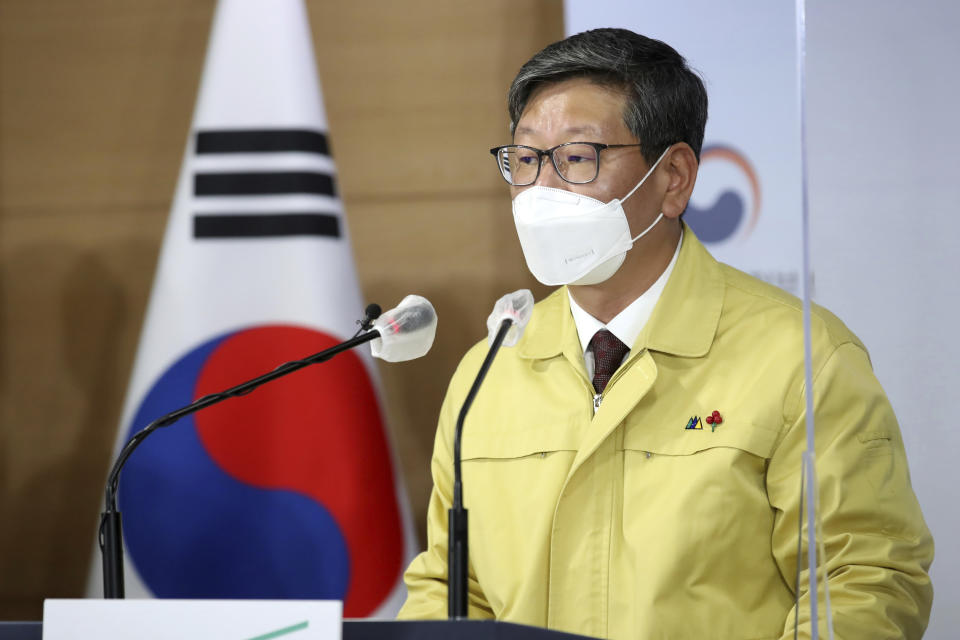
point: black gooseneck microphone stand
(111, 534)
(457, 544)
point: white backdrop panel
(746, 205)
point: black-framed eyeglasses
(575, 162)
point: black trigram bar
(262, 183)
(272, 225)
(262, 141)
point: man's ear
(681, 167)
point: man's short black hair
(666, 100)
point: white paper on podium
(68, 619)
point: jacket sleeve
(426, 577)
(877, 547)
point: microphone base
(457, 563)
(111, 544)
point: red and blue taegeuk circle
(287, 492)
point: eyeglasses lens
(575, 162)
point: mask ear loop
(642, 180)
(646, 175)
(647, 230)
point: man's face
(579, 110)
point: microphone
(371, 313)
(406, 332)
(516, 307)
(505, 324)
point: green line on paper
(300, 626)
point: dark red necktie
(608, 353)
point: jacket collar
(683, 323)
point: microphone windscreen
(516, 307)
(406, 331)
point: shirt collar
(627, 324)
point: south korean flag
(291, 491)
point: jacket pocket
(512, 480)
(695, 507)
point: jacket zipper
(598, 397)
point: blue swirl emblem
(726, 202)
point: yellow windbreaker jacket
(629, 524)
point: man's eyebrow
(588, 128)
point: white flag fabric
(290, 491)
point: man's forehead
(578, 107)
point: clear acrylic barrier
(884, 187)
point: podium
(443, 629)
(379, 630)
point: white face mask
(569, 238)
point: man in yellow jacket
(632, 467)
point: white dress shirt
(627, 324)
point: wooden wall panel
(96, 98)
